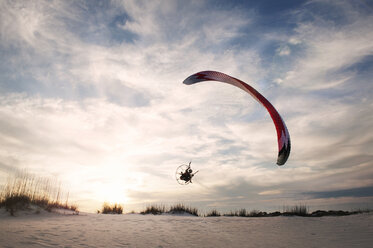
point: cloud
(324, 61)
(93, 92)
(270, 192)
(282, 51)
(355, 192)
(8, 169)
(176, 20)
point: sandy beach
(135, 230)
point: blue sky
(91, 93)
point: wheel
(179, 172)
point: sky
(91, 95)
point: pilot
(187, 175)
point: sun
(112, 193)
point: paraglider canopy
(283, 137)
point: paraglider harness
(187, 174)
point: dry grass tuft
(24, 190)
(297, 210)
(111, 209)
(213, 213)
(154, 209)
(178, 208)
(181, 208)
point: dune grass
(154, 209)
(178, 208)
(297, 210)
(241, 213)
(111, 209)
(182, 208)
(213, 213)
(24, 190)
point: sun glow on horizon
(113, 192)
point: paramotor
(184, 174)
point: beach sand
(136, 230)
